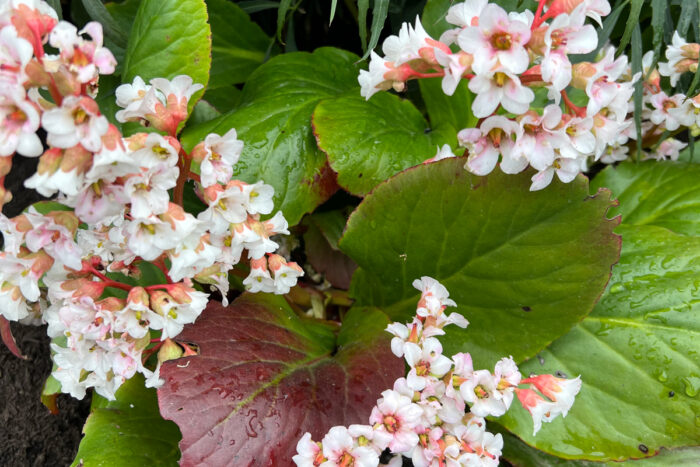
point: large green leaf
(523, 267)
(666, 194)
(519, 454)
(274, 121)
(169, 38)
(239, 45)
(454, 110)
(369, 141)
(637, 354)
(128, 431)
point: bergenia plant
(225, 251)
(423, 417)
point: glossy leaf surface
(523, 267)
(369, 141)
(169, 38)
(274, 121)
(666, 194)
(264, 377)
(637, 354)
(128, 431)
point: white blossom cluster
(80, 267)
(435, 415)
(507, 56)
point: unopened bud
(169, 350)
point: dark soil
(29, 434)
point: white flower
(394, 419)
(221, 154)
(76, 121)
(425, 361)
(479, 390)
(497, 42)
(494, 88)
(340, 449)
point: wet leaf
(523, 266)
(637, 354)
(169, 38)
(274, 121)
(666, 194)
(369, 141)
(264, 377)
(128, 431)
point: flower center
(422, 368)
(501, 41)
(500, 79)
(79, 115)
(480, 392)
(346, 460)
(391, 423)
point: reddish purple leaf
(331, 262)
(264, 377)
(9, 339)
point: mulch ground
(29, 434)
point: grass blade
(379, 13)
(632, 21)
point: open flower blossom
(507, 56)
(120, 208)
(435, 416)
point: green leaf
(274, 121)
(111, 28)
(123, 15)
(45, 207)
(380, 9)
(666, 194)
(362, 8)
(224, 99)
(203, 112)
(433, 18)
(239, 45)
(688, 10)
(637, 355)
(632, 22)
(282, 10)
(169, 38)
(129, 431)
(369, 141)
(523, 266)
(56, 5)
(253, 6)
(519, 454)
(331, 225)
(658, 12)
(334, 5)
(454, 110)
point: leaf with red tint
(265, 376)
(325, 256)
(9, 339)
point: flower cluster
(507, 57)
(425, 415)
(110, 266)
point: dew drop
(692, 385)
(616, 288)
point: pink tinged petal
(440, 366)
(513, 165)
(582, 41)
(403, 441)
(483, 163)
(542, 179)
(486, 103)
(515, 60)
